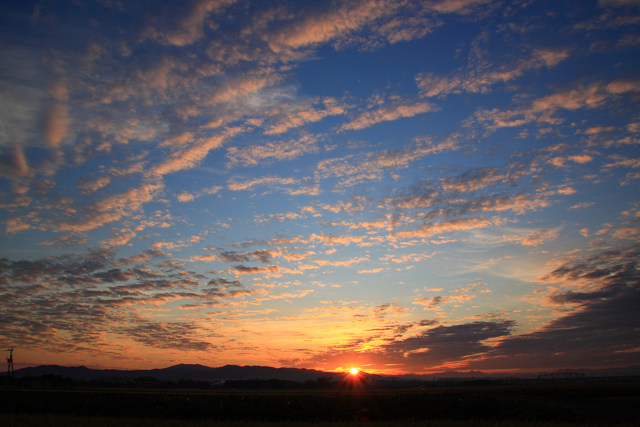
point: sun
(353, 371)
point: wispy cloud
(273, 151)
(192, 155)
(532, 238)
(235, 185)
(330, 24)
(543, 110)
(430, 229)
(296, 116)
(387, 113)
(481, 80)
(371, 167)
(180, 26)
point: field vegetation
(532, 405)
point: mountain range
(234, 372)
(182, 371)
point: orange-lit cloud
(306, 114)
(480, 81)
(192, 155)
(234, 185)
(388, 113)
(534, 238)
(542, 110)
(322, 27)
(187, 23)
(274, 151)
(431, 229)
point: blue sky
(404, 187)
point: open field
(540, 405)
(21, 420)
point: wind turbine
(10, 362)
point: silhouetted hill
(234, 372)
(178, 372)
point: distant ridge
(235, 372)
(182, 371)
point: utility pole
(10, 362)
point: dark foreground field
(537, 405)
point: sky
(395, 185)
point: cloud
(388, 113)
(329, 239)
(190, 156)
(287, 295)
(310, 190)
(543, 110)
(234, 185)
(600, 330)
(617, 3)
(371, 166)
(263, 256)
(56, 125)
(90, 295)
(319, 27)
(342, 24)
(113, 208)
(305, 113)
(431, 303)
(240, 89)
(242, 269)
(168, 335)
(204, 258)
(401, 259)
(444, 205)
(185, 197)
(345, 263)
(14, 163)
(63, 269)
(481, 80)
(438, 347)
(581, 205)
(431, 228)
(457, 6)
(133, 168)
(56, 121)
(22, 103)
(405, 29)
(450, 343)
(181, 25)
(16, 225)
(474, 179)
(628, 233)
(535, 238)
(367, 225)
(622, 161)
(560, 161)
(93, 185)
(120, 239)
(372, 271)
(384, 310)
(273, 151)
